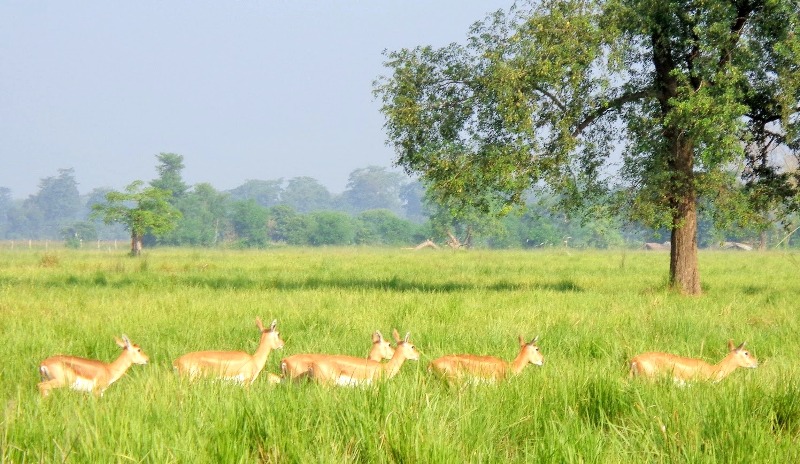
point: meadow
(592, 311)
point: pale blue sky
(242, 89)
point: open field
(591, 310)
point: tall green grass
(592, 311)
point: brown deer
(298, 365)
(487, 368)
(357, 371)
(237, 366)
(88, 375)
(656, 364)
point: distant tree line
(377, 208)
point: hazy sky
(241, 89)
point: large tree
(56, 204)
(306, 194)
(140, 210)
(203, 221)
(373, 187)
(170, 166)
(265, 192)
(693, 97)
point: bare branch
(552, 97)
(743, 11)
(612, 105)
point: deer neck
(519, 363)
(118, 367)
(262, 353)
(392, 367)
(723, 368)
(375, 353)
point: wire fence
(45, 245)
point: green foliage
(249, 221)
(372, 188)
(289, 227)
(203, 218)
(74, 235)
(169, 178)
(208, 216)
(540, 225)
(56, 204)
(331, 228)
(382, 227)
(140, 210)
(305, 194)
(265, 192)
(543, 97)
(412, 196)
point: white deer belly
(82, 384)
(238, 378)
(473, 380)
(347, 381)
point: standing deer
(656, 364)
(238, 366)
(487, 368)
(357, 371)
(298, 365)
(88, 375)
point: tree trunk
(683, 272)
(136, 244)
(681, 191)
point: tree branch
(552, 97)
(743, 10)
(611, 105)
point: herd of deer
(95, 376)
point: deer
(88, 375)
(237, 366)
(298, 366)
(656, 364)
(345, 371)
(490, 369)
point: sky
(243, 90)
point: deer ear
(259, 324)
(273, 325)
(124, 343)
(740, 346)
(377, 337)
(731, 346)
(535, 339)
(521, 341)
(396, 335)
(408, 336)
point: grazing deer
(358, 371)
(655, 364)
(298, 365)
(88, 375)
(238, 366)
(487, 368)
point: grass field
(591, 310)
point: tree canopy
(642, 107)
(170, 166)
(55, 205)
(373, 187)
(140, 210)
